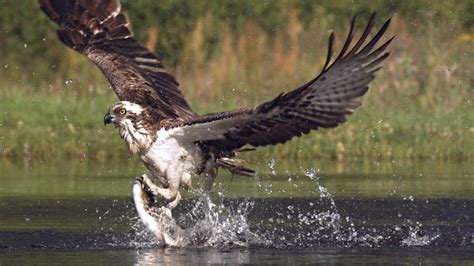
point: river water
(357, 212)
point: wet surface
(274, 223)
(243, 256)
(100, 224)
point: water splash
(215, 222)
(209, 223)
(323, 224)
(141, 237)
(266, 184)
(341, 230)
(272, 165)
(416, 237)
(223, 225)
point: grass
(43, 127)
(420, 106)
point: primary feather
(323, 102)
(97, 29)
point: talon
(146, 179)
(168, 202)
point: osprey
(171, 139)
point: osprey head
(122, 112)
(133, 122)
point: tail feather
(235, 166)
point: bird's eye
(122, 111)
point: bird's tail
(87, 22)
(235, 166)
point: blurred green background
(228, 54)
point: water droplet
(271, 165)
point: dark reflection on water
(86, 216)
(278, 223)
(242, 256)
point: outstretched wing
(323, 102)
(97, 29)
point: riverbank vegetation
(420, 107)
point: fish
(158, 220)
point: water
(365, 213)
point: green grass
(47, 127)
(420, 106)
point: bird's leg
(162, 179)
(170, 193)
(151, 185)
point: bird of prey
(173, 141)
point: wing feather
(323, 102)
(97, 29)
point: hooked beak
(108, 118)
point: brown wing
(323, 102)
(97, 29)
